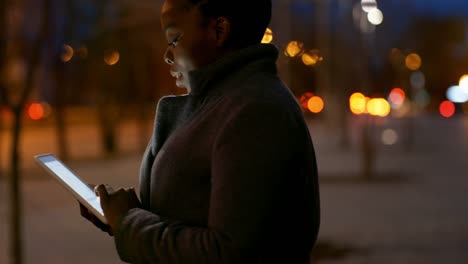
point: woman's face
(191, 39)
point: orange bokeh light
(111, 57)
(413, 61)
(36, 111)
(294, 48)
(315, 104)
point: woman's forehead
(178, 5)
(173, 12)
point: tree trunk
(368, 149)
(15, 192)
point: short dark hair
(249, 18)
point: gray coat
(230, 173)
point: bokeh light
(418, 80)
(456, 94)
(396, 97)
(36, 111)
(375, 17)
(368, 5)
(111, 57)
(294, 48)
(447, 109)
(268, 36)
(357, 103)
(464, 83)
(315, 104)
(378, 107)
(413, 61)
(311, 58)
(67, 53)
(389, 137)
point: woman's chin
(180, 84)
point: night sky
(440, 7)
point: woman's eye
(175, 41)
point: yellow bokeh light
(378, 107)
(311, 58)
(268, 36)
(357, 103)
(315, 104)
(413, 61)
(464, 83)
(67, 53)
(294, 48)
(111, 57)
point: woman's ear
(223, 30)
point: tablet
(79, 189)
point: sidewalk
(413, 211)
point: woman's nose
(168, 57)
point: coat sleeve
(252, 155)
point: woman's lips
(175, 74)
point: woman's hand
(93, 219)
(86, 213)
(116, 203)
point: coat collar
(229, 64)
